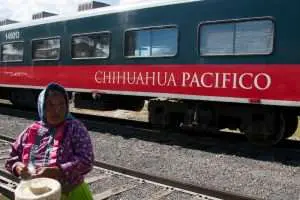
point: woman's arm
(15, 154)
(82, 161)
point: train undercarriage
(262, 125)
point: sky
(22, 10)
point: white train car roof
(95, 12)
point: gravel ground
(240, 167)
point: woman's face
(56, 108)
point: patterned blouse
(67, 146)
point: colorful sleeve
(83, 159)
(16, 153)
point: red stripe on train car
(257, 81)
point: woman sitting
(58, 146)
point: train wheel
(266, 130)
(291, 124)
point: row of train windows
(252, 37)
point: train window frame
(46, 38)
(90, 33)
(151, 28)
(12, 61)
(238, 20)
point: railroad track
(115, 182)
(8, 182)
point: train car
(211, 64)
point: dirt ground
(296, 136)
(132, 115)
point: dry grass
(296, 136)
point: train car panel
(204, 63)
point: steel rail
(8, 184)
(175, 184)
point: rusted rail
(8, 184)
(212, 192)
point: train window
(96, 45)
(216, 39)
(253, 37)
(154, 42)
(12, 52)
(46, 49)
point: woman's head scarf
(41, 104)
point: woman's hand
(48, 172)
(22, 171)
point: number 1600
(12, 35)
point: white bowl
(38, 189)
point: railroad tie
(160, 194)
(93, 179)
(114, 191)
(204, 197)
